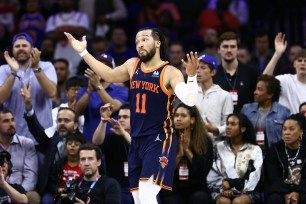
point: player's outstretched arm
(119, 74)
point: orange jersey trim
(134, 68)
(152, 69)
(155, 182)
(169, 118)
(134, 189)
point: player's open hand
(192, 63)
(77, 45)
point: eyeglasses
(64, 120)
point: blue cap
(24, 36)
(208, 59)
(108, 58)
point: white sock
(136, 197)
(148, 191)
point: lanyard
(91, 186)
(229, 83)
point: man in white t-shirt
(293, 85)
(214, 103)
(68, 20)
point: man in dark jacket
(52, 146)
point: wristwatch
(37, 70)
(99, 87)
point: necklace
(292, 160)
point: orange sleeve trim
(161, 82)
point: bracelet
(99, 87)
(83, 53)
(105, 119)
(15, 75)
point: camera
(72, 191)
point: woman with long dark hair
(237, 164)
(193, 160)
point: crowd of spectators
(252, 85)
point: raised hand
(25, 93)
(35, 57)
(78, 46)
(280, 43)
(192, 63)
(93, 77)
(11, 62)
(117, 128)
(107, 110)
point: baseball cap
(108, 58)
(24, 36)
(208, 59)
(6, 155)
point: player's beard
(149, 56)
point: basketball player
(153, 86)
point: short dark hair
(76, 136)
(273, 85)
(158, 36)
(248, 136)
(62, 60)
(74, 81)
(301, 105)
(300, 119)
(125, 106)
(261, 33)
(5, 110)
(89, 146)
(300, 54)
(176, 42)
(98, 39)
(76, 118)
(229, 36)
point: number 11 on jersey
(143, 103)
